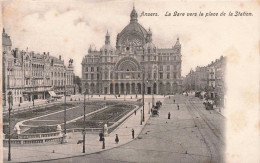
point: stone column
(119, 87)
(130, 87)
(124, 88)
(114, 88)
(157, 88)
(108, 89)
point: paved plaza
(192, 134)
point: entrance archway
(139, 89)
(122, 88)
(154, 88)
(127, 88)
(133, 88)
(116, 88)
(111, 89)
(149, 90)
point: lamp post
(103, 140)
(65, 120)
(143, 95)
(149, 108)
(9, 133)
(141, 118)
(84, 131)
(153, 94)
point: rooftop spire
(133, 15)
(107, 41)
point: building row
(29, 75)
(210, 78)
(134, 60)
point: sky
(68, 29)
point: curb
(97, 151)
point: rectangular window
(86, 76)
(149, 76)
(168, 58)
(154, 75)
(161, 68)
(97, 76)
(168, 68)
(174, 58)
(161, 75)
(92, 69)
(168, 75)
(154, 58)
(175, 67)
(148, 58)
(174, 75)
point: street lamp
(153, 95)
(65, 129)
(9, 134)
(143, 95)
(103, 139)
(84, 131)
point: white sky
(68, 28)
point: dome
(107, 48)
(134, 27)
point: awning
(52, 93)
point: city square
(123, 82)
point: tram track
(212, 127)
(198, 125)
(207, 128)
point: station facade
(134, 61)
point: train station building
(134, 60)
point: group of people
(101, 135)
(169, 114)
(117, 138)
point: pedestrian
(117, 139)
(178, 106)
(133, 133)
(135, 112)
(174, 101)
(169, 115)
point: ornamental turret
(133, 15)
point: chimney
(59, 57)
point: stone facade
(29, 75)
(135, 59)
(210, 78)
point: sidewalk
(34, 153)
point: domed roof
(107, 47)
(134, 26)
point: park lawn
(110, 116)
(115, 112)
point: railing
(38, 135)
(33, 141)
(81, 129)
